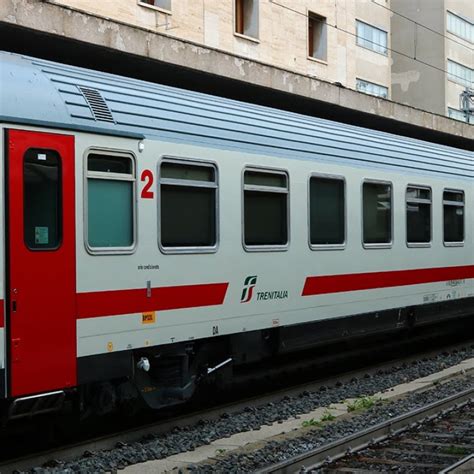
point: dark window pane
(188, 217)
(418, 215)
(188, 172)
(453, 196)
(326, 211)
(254, 178)
(419, 193)
(418, 222)
(377, 213)
(110, 213)
(453, 224)
(265, 218)
(453, 216)
(42, 199)
(109, 164)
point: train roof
(39, 92)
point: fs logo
(247, 291)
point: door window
(42, 199)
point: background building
(327, 58)
(343, 41)
(439, 34)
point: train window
(265, 209)
(418, 201)
(110, 203)
(326, 211)
(42, 199)
(453, 212)
(377, 214)
(188, 207)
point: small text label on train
(149, 317)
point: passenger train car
(154, 236)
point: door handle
(15, 292)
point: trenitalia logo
(247, 292)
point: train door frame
(40, 271)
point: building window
(42, 200)
(326, 211)
(246, 17)
(110, 202)
(371, 88)
(265, 208)
(460, 115)
(188, 206)
(453, 211)
(317, 37)
(372, 38)
(460, 74)
(377, 213)
(162, 4)
(418, 201)
(461, 27)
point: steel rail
(108, 441)
(331, 452)
(463, 465)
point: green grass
(311, 422)
(457, 450)
(362, 403)
(328, 416)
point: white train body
(129, 302)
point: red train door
(41, 262)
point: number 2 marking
(147, 178)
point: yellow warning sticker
(149, 317)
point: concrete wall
(282, 38)
(415, 82)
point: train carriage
(156, 235)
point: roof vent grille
(99, 108)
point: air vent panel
(99, 108)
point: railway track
(428, 439)
(61, 454)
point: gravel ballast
(188, 438)
(278, 451)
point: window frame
(166, 11)
(372, 42)
(98, 175)
(359, 80)
(457, 79)
(385, 245)
(255, 39)
(313, 16)
(455, 114)
(465, 20)
(265, 170)
(334, 177)
(208, 249)
(451, 190)
(421, 201)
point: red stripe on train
(2, 314)
(108, 303)
(321, 285)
